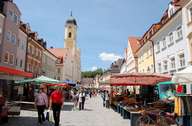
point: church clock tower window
(69, 35)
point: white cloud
(93, 68)
(109, 56)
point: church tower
(70, 33)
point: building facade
(21, 48)
(131, 61)
(49, 64)
(145, 58)
(171, 53)
(145, 53)
(10, 34)
(35, 48)
(187, 24)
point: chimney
(51, 47)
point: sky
(103, 25)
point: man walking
(56, 103)
(41, 102)
(83, 99)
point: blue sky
(103, 25)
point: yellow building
(145, 53)
(145, 58)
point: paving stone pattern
(93, 115)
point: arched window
(69, 35)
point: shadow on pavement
(88, 109)
(68, 107)
(26, 121)
(21, 121)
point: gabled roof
(134, 43)
(58, 52)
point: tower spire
(71, 14)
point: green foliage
(91, 74)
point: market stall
(183, 99)
(127, 101)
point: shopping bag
(51, 116)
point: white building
(187, 24)
(130, 65)
(69, 64)
(171, 53)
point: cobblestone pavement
(93, 115)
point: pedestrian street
(93, 115)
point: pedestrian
(90, 93)
(41, 102)
(107, 99)
(83, 100)
(103, 97)
(80, 100)
(56, 103)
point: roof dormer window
(171, 10)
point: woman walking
(56, 103)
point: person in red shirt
(56, 103)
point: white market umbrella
(183, 76)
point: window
(10, 14)
(158, 46)
(1, 30)
(58, 70)
(159, 67)
(22, 45)
(11, 59)
(179, 32)
(18, 43)
(69, 35)
(21, 63)
(16, 61)
(172, 63)
(15, 18)
(171, 12)
(6, 57)
(32, 50)
(8, 36)
(181, 60)
(164, 43)
(165, 65)
(171, 38)
(13, 38)
(190, 14)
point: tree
(91, 74)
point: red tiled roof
(58, 52)
(134, 44)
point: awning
(138, 79)
(59, 85)
(38, 80)
(70, 82)
(12, 71)
(166, 83)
